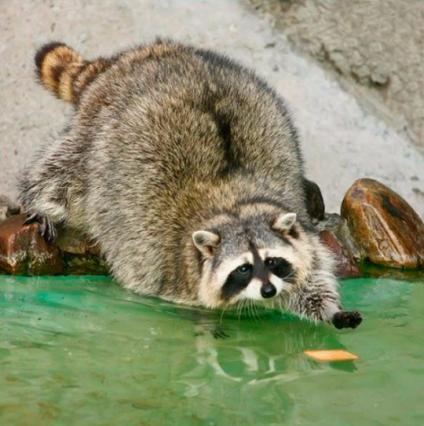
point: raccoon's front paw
(347, 319)
(47, 228)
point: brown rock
(81, 256)
(85, 264)
(337, 225)
(24, 251)
(74, 242)
(384, 225)
(345, 266)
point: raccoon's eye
(278, 266)
(270, 261)
(244, 269)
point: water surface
(83, 351)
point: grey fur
(169, 140)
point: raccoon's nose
(268, 290)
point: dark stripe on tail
(64, 72)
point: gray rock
(338, 227)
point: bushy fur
(168, 139)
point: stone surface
(386, 228)
(84, 264)
(346, 267)
(81, 256)
(375, 47)
(335, 234)
(71, 241)
(340, 140)
(24, 251)
(337, 225)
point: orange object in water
(331, 355)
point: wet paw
(347, 319)
(47, 228)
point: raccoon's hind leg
(46, 185)
(42, 202)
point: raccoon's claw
(347, 319)
(46, 229)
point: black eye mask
(240, 278)
(279, 267)
(237, 280)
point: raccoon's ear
(205, 242)
(284, 222)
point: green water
(81, 351)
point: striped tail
(63, 71)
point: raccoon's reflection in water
(249, 345)
(272, 350)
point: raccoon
(185, 167)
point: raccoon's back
(188, 115)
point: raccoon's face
(256, 258)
